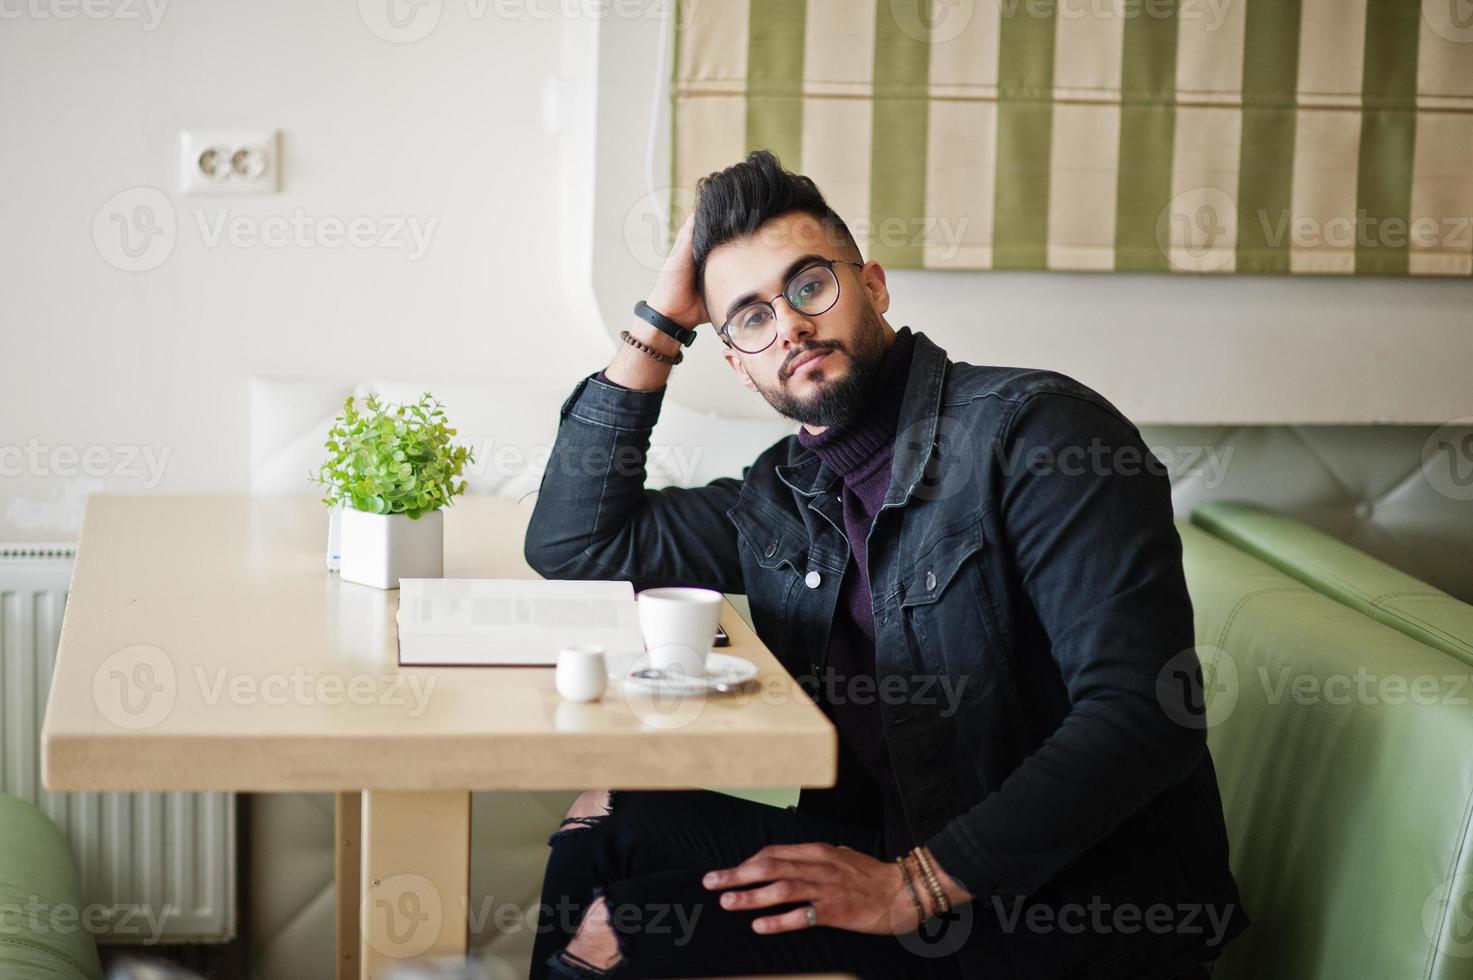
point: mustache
(828, 345)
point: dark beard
(836, 404)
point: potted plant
(391, 468)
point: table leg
(415, 877)
(347, 863)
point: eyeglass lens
(812, 291)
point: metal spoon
(656, 674)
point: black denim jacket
(1025, 561)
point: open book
(513, 621)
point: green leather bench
(1345, 574)
(42, 935)
(1344, 751)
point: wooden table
(205, 647)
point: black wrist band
(663, 323)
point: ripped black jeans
(646, 858)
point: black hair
(735, 202)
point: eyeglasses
(814, 289)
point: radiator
(156, 867)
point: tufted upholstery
(1363, 484)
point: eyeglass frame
(725, 336)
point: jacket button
(930, 580)
(812, 580)
(771, 549)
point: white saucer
(721, 668)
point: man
(974, 570)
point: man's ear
(873, 277)
(740, 369)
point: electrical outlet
(229, 161)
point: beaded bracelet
(933, 883)
(635, 342)
(910, 890)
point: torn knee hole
(571, 826)
(597, 947)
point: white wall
(447, 129)
(523, 139)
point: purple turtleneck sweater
(861, 453)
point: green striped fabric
(1211, 136)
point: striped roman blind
(1265, 136)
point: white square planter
(380, 549)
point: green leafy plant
(392, 459)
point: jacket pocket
(945, 602)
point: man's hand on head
(675, 292)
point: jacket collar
(915, 434)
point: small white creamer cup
(582, 673)
(679, 626)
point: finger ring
(812, 915)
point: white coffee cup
(582, 673)
(679, 626)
